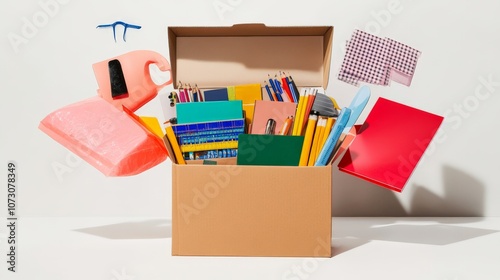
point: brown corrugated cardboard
(243, 54)
(229, 210)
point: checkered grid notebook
(376, 60)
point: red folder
(390, 143)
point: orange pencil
(286, 126)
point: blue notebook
(219, 94)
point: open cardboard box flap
(246, 53)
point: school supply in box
(294, 130)
(258, 155)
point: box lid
(389, 144)
(246, 53)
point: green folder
(257, 149)
(195, 112)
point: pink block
(135, 66)
(107, 138)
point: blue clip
(125, 25)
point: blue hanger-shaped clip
(125, 25)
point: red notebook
(390, 143)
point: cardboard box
(229, 210)
(232, 210)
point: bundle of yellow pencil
(308, 138)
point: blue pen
(333, 138)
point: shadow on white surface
(348, 235)
(147, 229)
(463, 196)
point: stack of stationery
(247, 93)
(218, 139)
(303, 129)
(205, 130)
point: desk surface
(364, 248)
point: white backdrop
(48, 66)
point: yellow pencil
(297, 120)
(303, 113)
(306, 147)
(329, 124)
(173, 142)
(318, 134)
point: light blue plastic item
(357, 106)
(334, 136)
